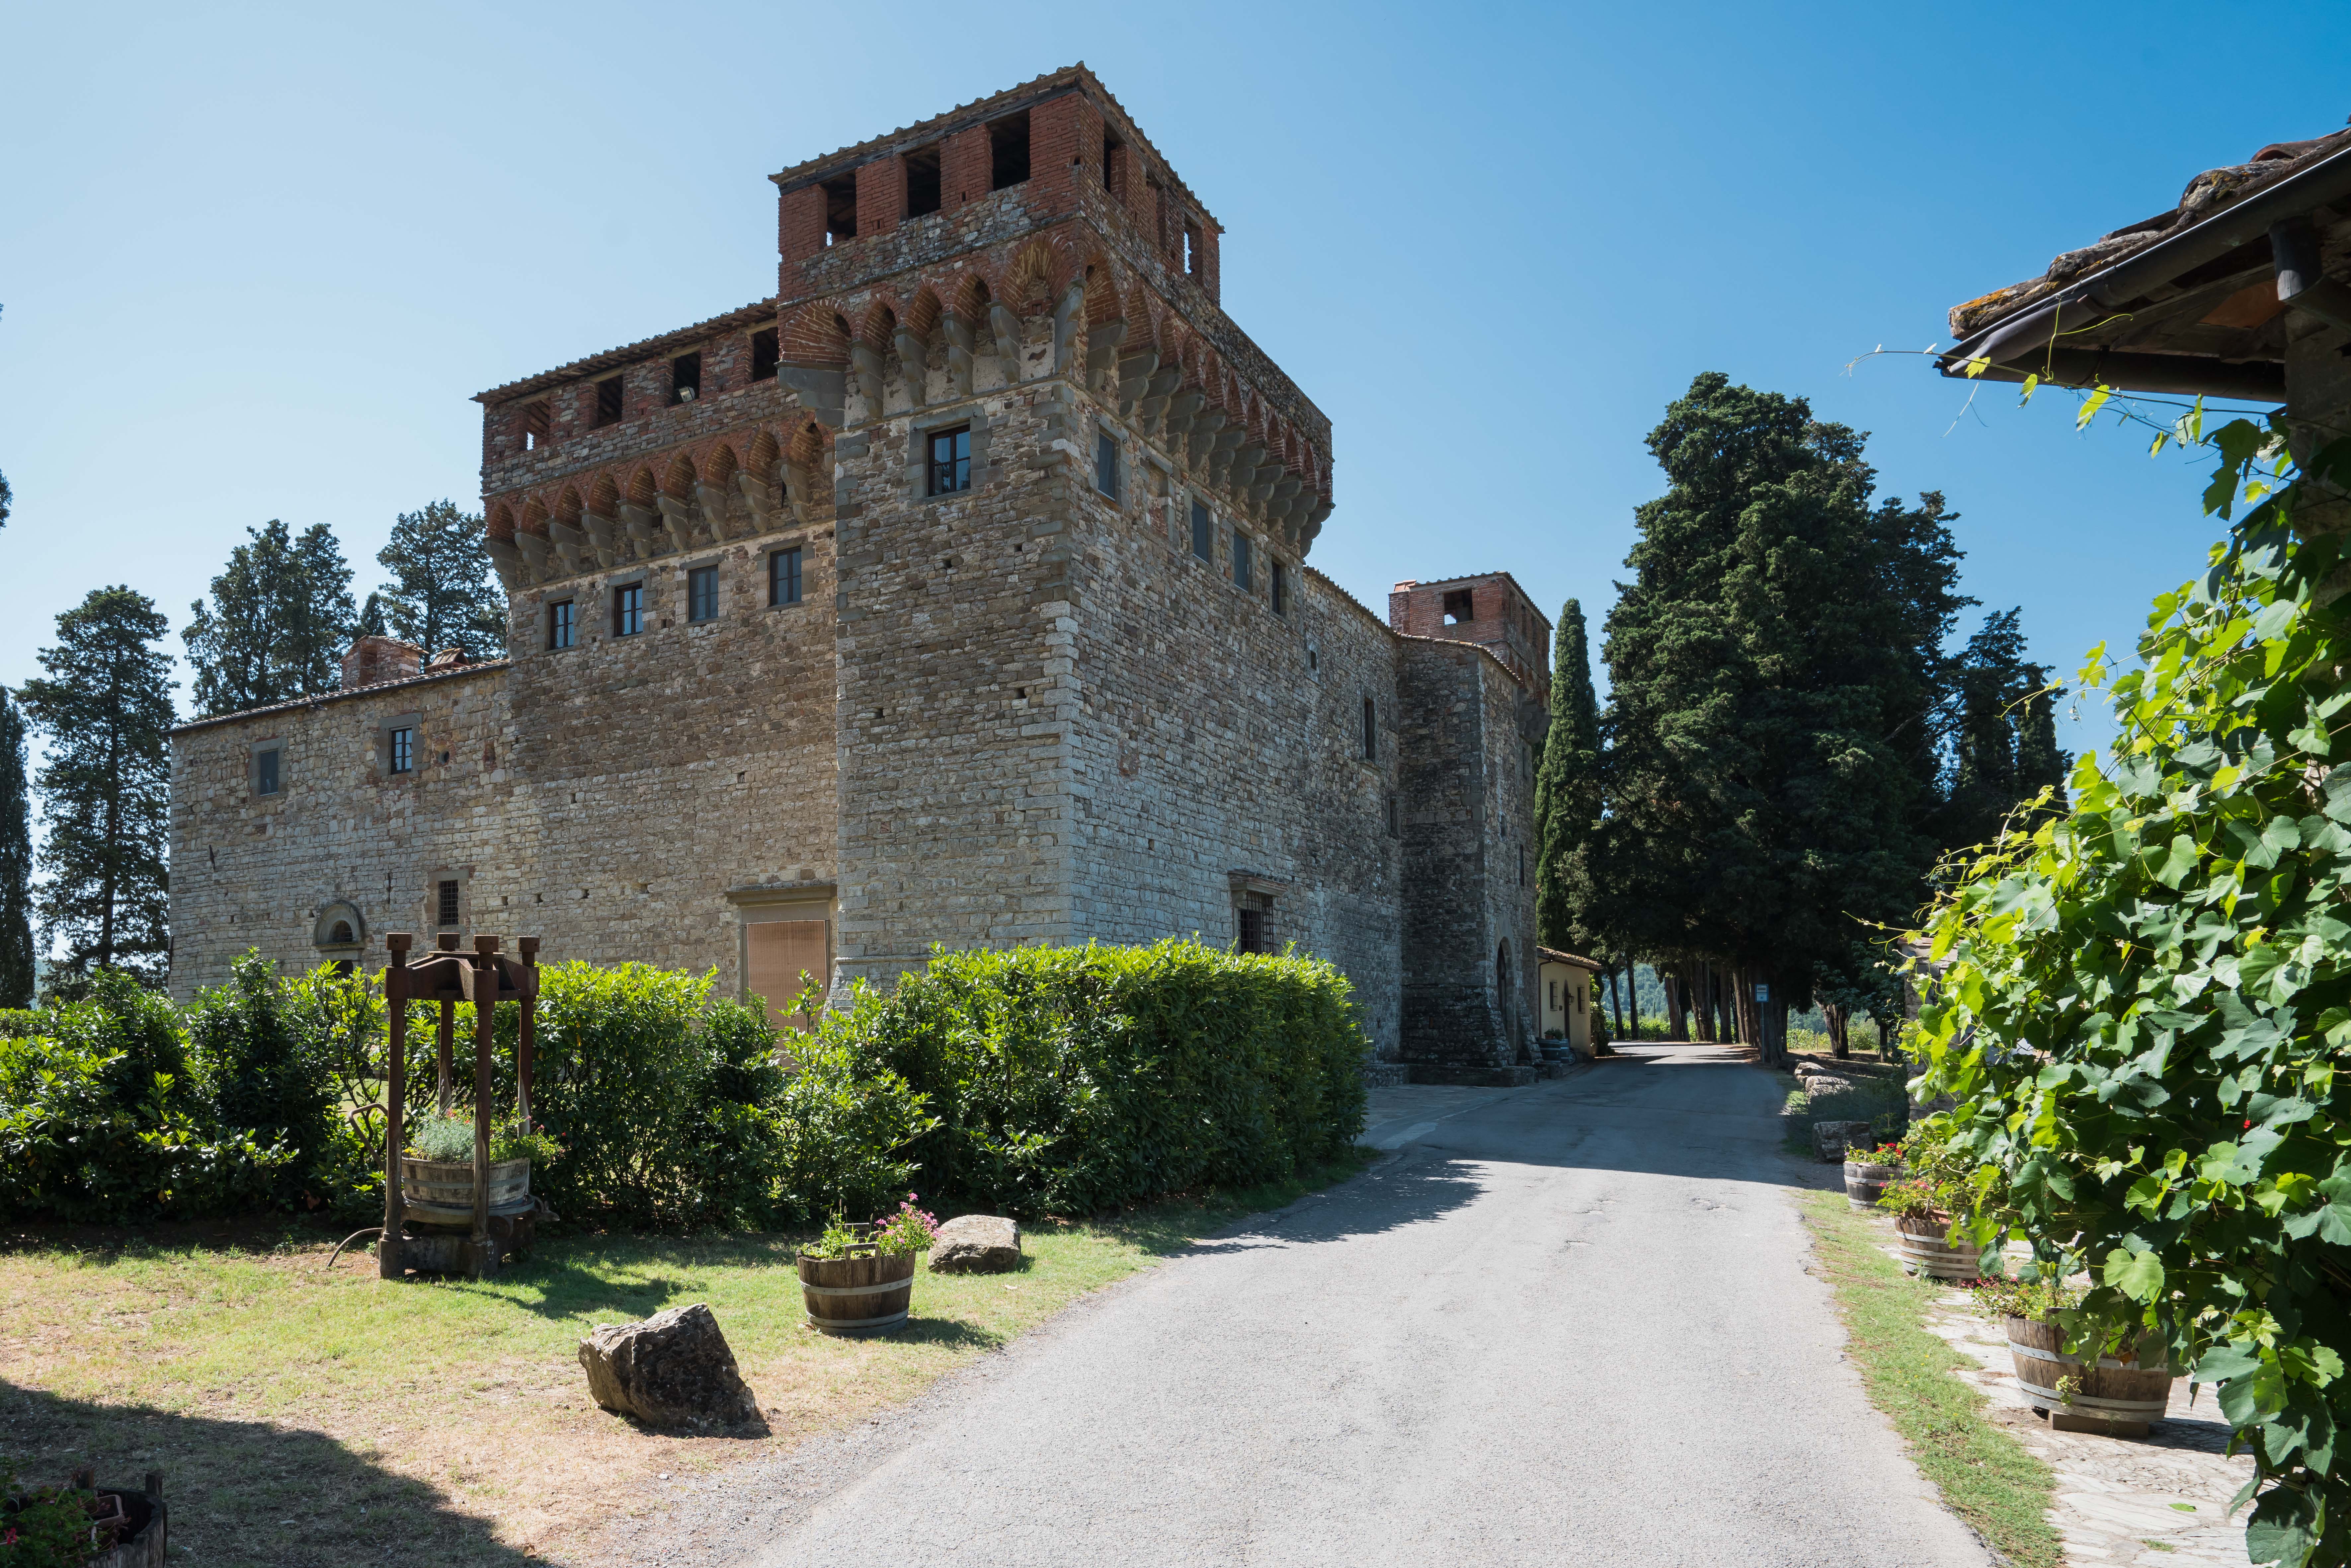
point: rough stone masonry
(954, 594)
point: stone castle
(955, 594)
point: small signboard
(1762, 992)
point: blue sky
(255, 260)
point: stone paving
(2159, 1500)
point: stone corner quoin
(956, 593)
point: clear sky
(255, 260)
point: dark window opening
(685, 377)
(629, 609)
(1460, 607)
(1106, 464)
(340, 932)
(560, 632)
(702, 593)
(1193, 257)
(763, 354)
(608, 401)
(1280, 589)
(265, 773)
(784, 576)
(1252, 931)
(841, 208)
(1392, 816)
(537, 424)
(1244, 567)
(448, 901)
(1008, 151)
(1371, 731)
(923, 180)
(950, 465)
(404, 751)
(1203, 543)
(1116, 165)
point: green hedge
(1068, 1081)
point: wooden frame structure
(448, 976)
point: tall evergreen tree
(440, 594)
(2038, 759)
(104, 707)
(371, 618)
(1992, 708)
(16, 975)
(279, 618)
(1568, 794)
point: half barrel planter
(2121, 1395)
(866, 1291)
(441, 1192)
(1925, 1251)
(1864, 1183)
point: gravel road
(1569, 1325)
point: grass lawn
(1985, 1475)
(302, 1414)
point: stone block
(674, 1369)
(977, 1244)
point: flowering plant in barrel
(909, 1229)
(2141, 1004)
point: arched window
(341, 933)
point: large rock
(977, 1244)
(672, 1370)
(1829, 1138)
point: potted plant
(860, 1278)
(2120, 1394)
(436, 1169)
(1922, 1218)
(1868, 1169)
(81, 1524)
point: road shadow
(247, 1491)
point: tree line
(1789, 748)
(273, 628)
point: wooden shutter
(778, 952)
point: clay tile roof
(757, 311)
(438, 673)
(1555, 956)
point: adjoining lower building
(957, 594)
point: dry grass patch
(292, 1406)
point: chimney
(375, 660)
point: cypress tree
(440, 594)
(17, 973)
(279, 618)
(104, 707)
(1568, 795)
(2038, 759)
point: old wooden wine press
(439, 1217)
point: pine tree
(2038, 759)
(17, 973)
(371, 618)
(1567, 793)
(104, 708)
(280, 619)
(440, 595)
(1989, 680)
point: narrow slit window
(784, 576)
(446, 915)
(1281, 586)
(561, 630)
(923, 180)
(1203, 532)
(764, 354)
(702, 593)
(685, 377)
(950, 461)
(1195, 257)
(1244, 568)
(1106, 475)
(608, 401)
(1371, 731)
(403, 749)
(841, 208)
(265, 773)
(629, 609)
(1008, 151)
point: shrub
(262, 1072)
(1071, 1079)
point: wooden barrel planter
(441, 1192)
(1925, 1252)
(865, 1292)
(128, 1529)
(2121, 1395)
(1865, 1183)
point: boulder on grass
(977, 1244)
(1829, 1138)
(672, 1370)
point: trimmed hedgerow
(1072, 1080)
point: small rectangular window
(784, 576)
(404, 751)
(1460, 607)
(562, 631)
(950, 464)
(923, 180)
(763, 354)
(608, 401)
(1280, 589)
(1106, 475)
(1371, 731)
(1252, 931)
(841, 208)
(629, 609)
(537, 424)
(1203, 532)
(447, 912)
(1008, 151)
(702, 593)
(685, 377)
(1244, 568)
(265, 772)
